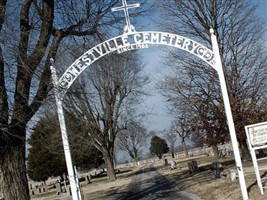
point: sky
(261, 10)
(155, 104)
(159, 118)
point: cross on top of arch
(125, 7)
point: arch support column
(73, 179)
(229, 115)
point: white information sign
(257, 139)
(257, 134)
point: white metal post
(75, 190)
(256, 169)
(229, 116)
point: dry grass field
(202, 183)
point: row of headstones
(39, 190)
(59, 188)
(36, 186)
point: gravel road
(150, 184)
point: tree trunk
(215, 150)
(172, 151)
(184, 148)
(136, 160)
(135, 151)
(244, 151)
(13, 178)
(108, 157)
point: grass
(201, 183)
(207, 187)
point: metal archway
(132, 40)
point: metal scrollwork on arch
(132, 41)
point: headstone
(217, 168)
(192, 166)
(232, 175)
(173, 164)
(58, 187)
(165, 161)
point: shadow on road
(142, 189)
(149, 184)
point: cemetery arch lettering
(128, 42)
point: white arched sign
(132, 40)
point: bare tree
(197, 112)
(105, 98)
(132, 139)
(242, 46)
(31, 33)
(182, 128)
(171, 137)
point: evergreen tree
(158, 146)
(46, 155)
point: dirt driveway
(148, 183)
